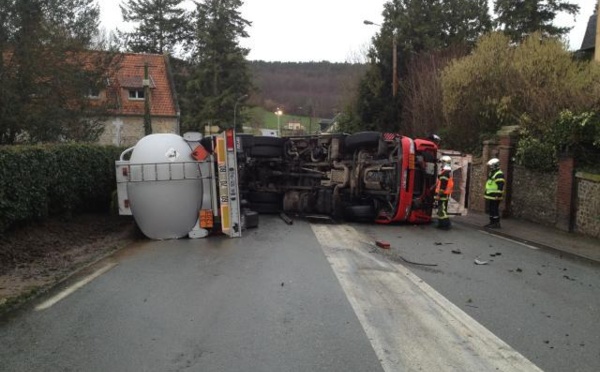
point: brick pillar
(489, 150)
(565, 191)
(508, 137)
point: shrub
(578, 134)
(43, 180)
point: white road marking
(70, 290)
(510, 240)
(410, 325)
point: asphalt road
(544, 304)
(312, 297)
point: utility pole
(235, 109)
(394, 56)
(597, 49)
(147, 116)
(395, 66)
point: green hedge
(47, 180)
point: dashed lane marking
(70, 290)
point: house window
(93, 92)
(136, 94)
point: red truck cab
(365, 176)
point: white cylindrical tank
(165, 186)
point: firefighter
(443, 190)
(494, 192)
(435, 139)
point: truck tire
(266, 208)
(362, 139)
(360, 213)
(268, 141)
(267, 147)
(247, 141)
(266, 151)
(264, 197)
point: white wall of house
(127, 130)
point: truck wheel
(268, 141)
(247, 141)
(360, 213)
(266, 151)
(362, 139)
(264, 197)
(266, 208)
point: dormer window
(136, 94)
(135, 86)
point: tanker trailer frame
(183, 189)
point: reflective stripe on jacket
(494, 187)
(445, 184)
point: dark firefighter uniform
(443, 190)
(494, 192)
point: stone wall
(477, 185)
(534, 195)
(587, 216)
(562, 199)
(132, 129)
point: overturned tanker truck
(176, 186)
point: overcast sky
(322, 30)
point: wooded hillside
(311, 89)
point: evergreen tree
(74, 20)
(417, 26)
(45, 72)
(519, 18)
(161, 25)
(219, 73)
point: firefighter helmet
(493, 163)
(435, 138)
(446, 162)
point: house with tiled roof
(589, 39)
(124, 87)
(589, 45)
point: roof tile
(130, 74)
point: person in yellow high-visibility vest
(443, 190)
(494, 192)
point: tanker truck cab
(415, 164)
(365, 176)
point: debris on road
(469, 302)
(479, 262)
(456, 251)
(383, 244)
(286, 218)
(416, 263)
